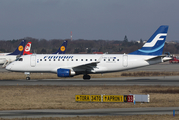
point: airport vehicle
(174, 60)
(69, 65)
(6, 58)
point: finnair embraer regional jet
(68, 65)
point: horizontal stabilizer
(164, 58)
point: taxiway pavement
(86, 112)
(163, 81)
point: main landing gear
(27, 78)
(28, 75)
(86, 77)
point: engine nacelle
(65, 72)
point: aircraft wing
(88, 66)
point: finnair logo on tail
(153, 42)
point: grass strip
(63, 97)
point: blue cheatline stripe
(151, 51)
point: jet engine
(65, 72)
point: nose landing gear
(27, 78)
(28, 75)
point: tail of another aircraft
(27, 49)
(19, 50)
(62, 48)
(154, 46)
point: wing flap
(88, 66)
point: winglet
(62, 48)
(155, 45)
(19, 50)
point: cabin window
(117, 59)
(40, 59)
(113, 59)
(104, 59)
(67, 59)
(81, 59)
(62, 59)
(86, 59)
(53, 59)
(90, 59)
(58, 59)
(45, 60)
(71, 59)
(108, 59)
(49, 59)
(76, 59)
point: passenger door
(125, 60)
(33, 60)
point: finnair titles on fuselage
(57, 57)
(68, 65)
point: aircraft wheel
(27, 78)
(86, 77)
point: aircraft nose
(8, 67)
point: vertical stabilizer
(62, 48)
(155, 45)
(27, 49)
(19, 50)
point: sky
(87, 19)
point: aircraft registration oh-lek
(69, 65)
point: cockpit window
(19, 59)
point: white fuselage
(81, 62)
(5, 57)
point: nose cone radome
(8, 67)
